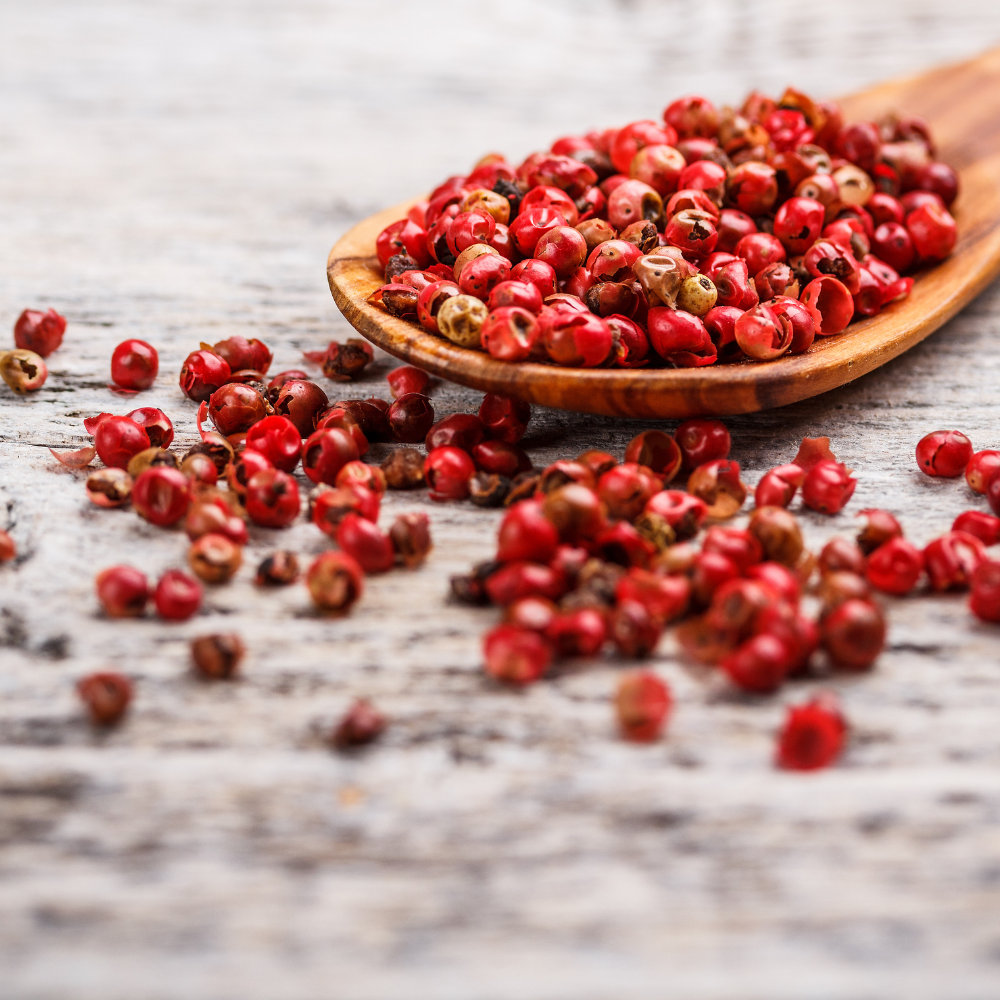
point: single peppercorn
(326, 452)
(879, 527)
(403, 469)
(149, 459)
(447, 472)
(40, 332)
(657, 451)
(23, 371)
(301, 401)
(214, 558)
(642, 705)
(839, 554)
(344, 362)
(107, 696)
(895, 567)
(360, 724)
(489, 489)
(778, 533)
(515, 655)
(157, 425)
(411, 538)
(812, 736)
(504, 418)
(335, 581)
(944, 453)
(633, 630)
(109, 487)
(278, 569)
(235, 408)
(122, 591)
(760, 664)
(984, 601)
(411, 416)
(218, 656)
(272, 498)
(367, 543)
(853, 635)
(118, 439)
(177, 596)
(162, 495)
(827, 487)
(134, 365)
(8, 550)
(719, 486)
(981, 468)
(701, 440)
(202, 373)
(277, 439)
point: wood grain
(962, 105)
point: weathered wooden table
(178, 172)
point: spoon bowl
(961, 102)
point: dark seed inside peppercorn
(489, 489)
(398, 263)
(404, 469)
(278, 569)
(344, 362)
(217, 656)
(522, 487)
(219, 450)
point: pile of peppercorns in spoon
(712, 236)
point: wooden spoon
(962, 105)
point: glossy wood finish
(962, 104)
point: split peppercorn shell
(109, 487)
(214, 558)
(335, 581)
(217, 656)
(779, 534)
(24, 371)
(411, 538)
(278, 569)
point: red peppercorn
(177, 595)
(235, 408)
(205, 518)
(459, 430)
(403, 236)
(162, 495)
(360, 724)
(371, 477)
(407, 379)
(853, 635)
(335, 581)
(719, 486)
(985, 598)
(985, 527)
(933, 232)
(830, 303)
(879, 527)
(134, 365)
(23, 371)
(664, 597)
(827, 487)
(944, 453)
(8, 550)
(760, 664)
(504, 418)
(993, 492)
(122, 591)
(155, 423)
(214, 558)
(657, 451)
(411, 416)
(841, 555)
(272, 498)
(332, 506)
(241, 353)
(516, 580)
(626, 489)
(40, 332)
(326, 452)
(642, 706)
(633, 630)
(622, 545)
(526, 535)
(118, 440)
(735, 543)
(779, 578)
(500, 458)
(952, 559)
(278, 440)
(682, 511)
(893, 244)
(367, 543)
(106, 695)
(778, 487)
(515, 655)
(701, 441)
(981, 467)
(577, 633)
(202, 373)
(895, 567)
(762, 333)
(812, 736)
(301, 402)
(448, 471)
(798, 223)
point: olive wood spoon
(961, 103)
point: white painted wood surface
(177, 171)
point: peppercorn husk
(411, 538)
(217, 656)
(278, 569)
(489, 489)
(344, 362)
(359, 725)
